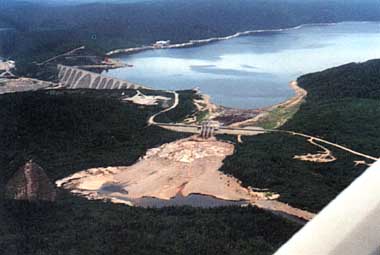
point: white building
(161, 44)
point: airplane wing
(349, 225)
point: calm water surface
(254, 71)
(195, 200)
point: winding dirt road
(313, 138)
(324, 157)
(151, 120)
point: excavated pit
(183, 172)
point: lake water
(195, 200)
(254, 71)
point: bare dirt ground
(313, 140)
(191, 166)
(142, 99)
(22, 84)
(286, 211)
(222, 114)
(204, 105)
(324, 156)
(229, 116)
(151, 120)
(184, 167)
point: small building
(161, 44)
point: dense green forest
(41, 30)
(65, 131)
(69, 130)
(342, 106)
(75, 225)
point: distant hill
(79, 2)
(43, 30)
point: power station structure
(208, 128)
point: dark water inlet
(195, 200)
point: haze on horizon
(78, 2)
(72, 2)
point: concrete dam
(75, 78)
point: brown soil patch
(142, 99)
(325, 156)
(185, 167)
(23, 84)
(181, 168)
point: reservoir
(253, 71)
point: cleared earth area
(184, 167)
(95, 129)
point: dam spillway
(74, 78)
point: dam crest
(75, 78)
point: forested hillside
(343, 107)
(67, 131)
(43, 30)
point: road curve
(151, 120)
(332, 144)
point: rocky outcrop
(30, 183)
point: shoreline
(252, 117)
(200, 42)
(234, 116)
(295, 101)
